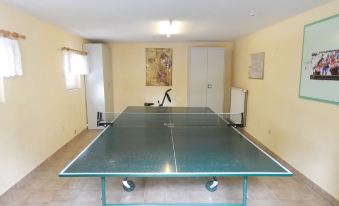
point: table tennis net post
(105, 119)
(233, 119)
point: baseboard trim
(332, 200)
(84, 130)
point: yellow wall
(129, 75)
(303, 132)
(39, 115)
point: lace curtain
(10, 61)
(74, 65)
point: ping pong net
(105, 119)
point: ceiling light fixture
(168, 28)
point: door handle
(209, 86)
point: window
(10, 62)
(75, 64)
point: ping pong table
(172, 142)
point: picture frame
(256, 69)
(159, 66)
(319, 76)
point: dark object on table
(165, 96)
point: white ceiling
(137, 20)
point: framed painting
(159, 66)
(319, 78)
(256, 69)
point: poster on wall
(159, 66)
(325, 65)
(256, 69)
(319, 78)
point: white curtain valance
(75, 64)
(10, 58)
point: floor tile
(43, 187)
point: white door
(215, 79)
(198, 77)
(206, 78)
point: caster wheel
(208, 186)
(131, 184)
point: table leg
(103, 191)
(104, 203)
(244, 197)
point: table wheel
(212, 185)
(128, 185)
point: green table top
(172, 142)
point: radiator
(238, 104)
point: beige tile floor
(43, 187)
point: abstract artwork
(159, 66)
(319, 77)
